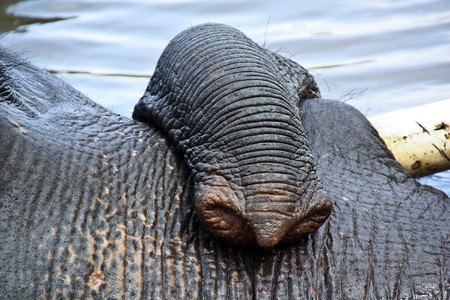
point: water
(377, 55)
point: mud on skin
(232, 108)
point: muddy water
(377, 55)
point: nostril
(264, 224)
(224, 222)
(310, 222)
(218, 217)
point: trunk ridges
(231, 109)
(77, 224)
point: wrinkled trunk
(230, 107)
(93, 205)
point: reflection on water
(379, 56)
(9, 22)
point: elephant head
(232, 109)
(94, 205)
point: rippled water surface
(379, 56)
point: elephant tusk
(419, 137)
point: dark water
(379, 56)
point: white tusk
(419, 137)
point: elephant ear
(388, 234)
(387, 237)
(93, 205)
(75, 187)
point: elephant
(96, 205)
(231, 108)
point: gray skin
(231, 107)
(95, 205)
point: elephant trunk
(224, 102)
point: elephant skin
(95, 205)
(231, 108)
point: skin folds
(94, 205)
(231, 108)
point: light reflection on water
(379, 56)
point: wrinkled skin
(230, 107)
(93, 204)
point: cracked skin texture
(94, 205)
(230, 107)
